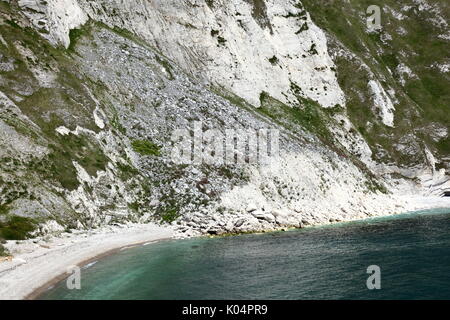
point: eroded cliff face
(245, 46)
(91, 92)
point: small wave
(128, 247)
(89, 265)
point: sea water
(412, 252)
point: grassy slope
(421, 101)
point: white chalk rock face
(54, 18)
(246, 46)
(382, 102)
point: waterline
(412, 250)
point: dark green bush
(145, 148)
(17, 228)
(3, 251)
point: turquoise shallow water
(413, 252)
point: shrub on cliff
(145, 148)
(3, 251)
(17, 228)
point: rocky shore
(259, 219)
(35, 264)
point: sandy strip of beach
(38, 263)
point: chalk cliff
(91, 92)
